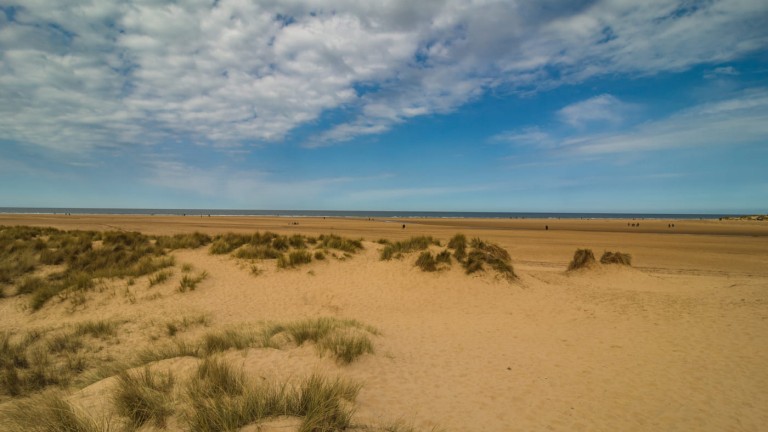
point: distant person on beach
(546, 227)
(403, 226)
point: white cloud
(602, 108)
(742, 119)
(87, 74)
(532, 136)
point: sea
(353, 213)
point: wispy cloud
(530, 136)
(604, 108)
(736, 121)
(84, 75)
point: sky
(654, 106)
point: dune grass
(98, 329)
(459, 244)
(333, 241)
(189, 283)
(294, 259)
(226, 243)
(582, 258)
(475, 255)
(221, 398)
(183, 241)
(143, 397)
(257, 252)
(85, 255)
(426, 262)
(186, 322)
(50, 412)
(616, 258)
(396, 249)
(346, 347)
(160, 277)
(228, 339)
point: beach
(674, 342)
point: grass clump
(226, 243)
(413, 244)
(98, 329)
(582, 258)
(189, 283)
(346, 347)
(426, 262)
(344, 339)
(160, 277)
(459, 245)
(185, 323)
(226, 340)
(333, 241)
(223, 399)
(30, 285)
(257, 252)
(50, 413)
(480, 254)
(183, 241)
(616, 258)
(220, 378)
(294, 259)
(144, 397)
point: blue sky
(581, 106)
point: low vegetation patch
(397, 249)
(582, 258)
(183, 241)
(189, 283)
(616, 258)
(86, 257)
(50, 413)
(223, 399)
(294, 259)
(426, 262)
(144, 397)
(160, 277)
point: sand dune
(677, 342)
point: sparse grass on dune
(50, 413)
(183, 241)
(333, 241)
(294, 259)
(40, 359)
(189, 283)
(394, 250)
(346, 347)
(426, 262)
(97, 329)
(117, 255)
(582, 258)
(222, 399)
(228, 339)
(250, 251)
(143, 397)
(476, 254)
(226, 243)
(160, 277)
(616, 258)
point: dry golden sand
(678, 342)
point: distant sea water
(354, 213)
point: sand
(677, 342)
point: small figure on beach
(403, 226)
(546, 227)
